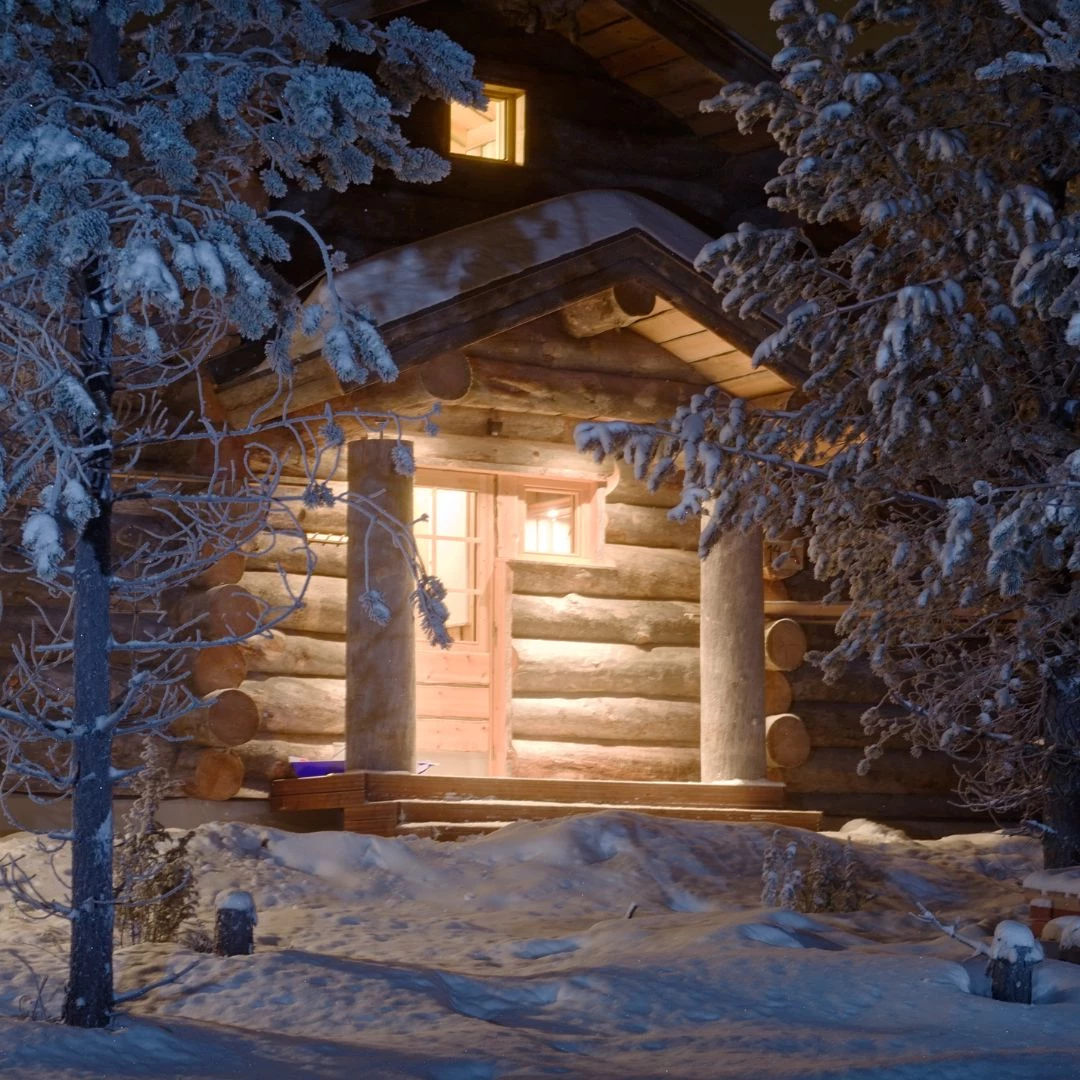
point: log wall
(916, 793)
(605, 665)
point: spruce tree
(139, 144)
(931, 452)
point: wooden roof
(456, 288)
(670, 50)
(678, 54)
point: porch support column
(733, 660)
(380, 676)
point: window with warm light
(447, 542)
(494, 133)
(551, 520)
(550, 523)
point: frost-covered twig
(927, 916)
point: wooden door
(454, 686)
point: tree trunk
(88, 997)
(1061, 802)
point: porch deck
(451, 807)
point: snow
(237, 900)
(512, 956)
(406, 280)
(1065, 881)
(1014, 941)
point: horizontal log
(230, 718)
(785, 645)
(264, 761)
(787, 744)
(225, 611)
(633, 492)
(622, 305)
(621, 355)
(635, 573)
(894, 773)
(289, 553)
(895, 810)
(279, 652)
(649, 526)
(209, 774)
(300, 747)
(321, 611)
(503, 385)
(839, 724)
(219, 667)
(540, 427)
(633, 622)
(226, 571)
(556, 667)
(605, 719)
(591, 761)
(290, 512)
(777, 692)
(504, 454)
(858, 684)
(299, 706)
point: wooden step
(449, 830)
(502, 810)
(344, 789)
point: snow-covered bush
(140, 146)
(830, 880)
(932, 452)
(154, 879)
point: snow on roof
(1065, 881)
(401, 282)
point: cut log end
(777, 693)
(216, 775)
(231, 718)
(620, 306)
(787, 742)
(785, 645)
(222, 667)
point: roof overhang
(450, 290)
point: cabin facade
(548, 281)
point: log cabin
(596, 660)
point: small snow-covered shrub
(830, 880)
(154, 881)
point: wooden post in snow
(732, 660)
(234, 925)
(380, 696)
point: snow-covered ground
(512, 956)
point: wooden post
(380, 697)
(234, 926)
(732, 660)
(1014, 953)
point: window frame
(481, 485)
(513, 127)
(589, 495)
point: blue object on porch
(317, 768)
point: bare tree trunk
(1061, 800)
(89, 994)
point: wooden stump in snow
(1014, 953)
(234, 926)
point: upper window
(554, 519)
(550, 523)
(495, 133)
